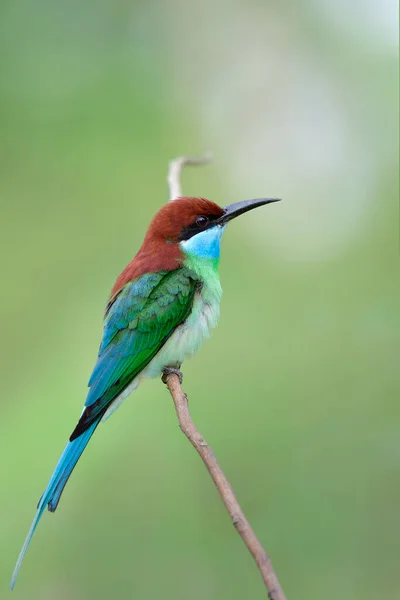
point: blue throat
(206, 244)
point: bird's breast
(188, 336)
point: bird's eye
(201, 221)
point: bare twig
(175, 170)
(224, 488)
(186, 424)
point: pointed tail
(52, 493)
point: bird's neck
(205, 271)
(201, 257)
(203, 268)
(199, 253)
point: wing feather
(137, 324)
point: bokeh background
(298, 389)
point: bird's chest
(188, 336)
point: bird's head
(185, 226)
(196, 224)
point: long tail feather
(55, 487)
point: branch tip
(176, 167)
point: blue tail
(52, 493)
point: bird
(161, 307)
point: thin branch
(175, 170)
(224, 488)
(187, 426)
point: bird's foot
(168, 371)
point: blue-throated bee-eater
(161, 307)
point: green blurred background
(298, 390)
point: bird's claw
(168, 371)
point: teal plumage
(137, 324)
(52, 493)
(161, 307)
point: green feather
(138, 323)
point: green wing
(141, 319)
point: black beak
(238, 208)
